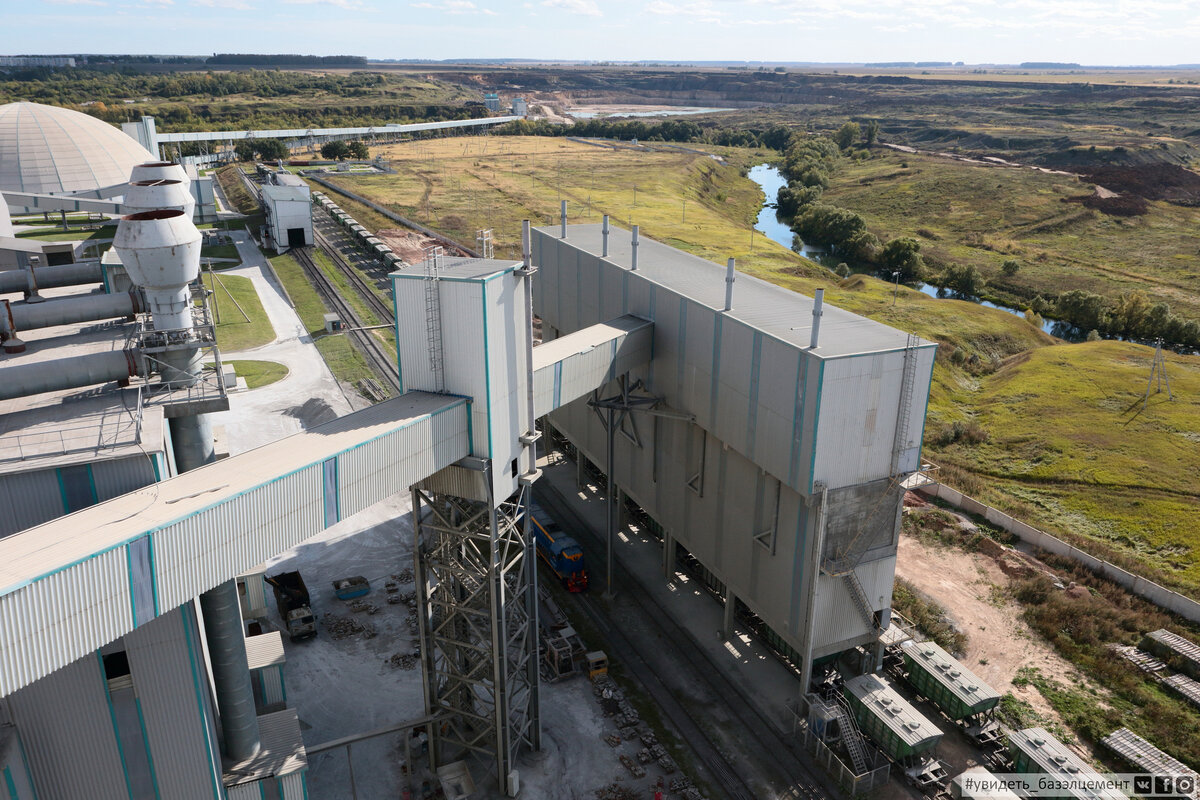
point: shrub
(1010, 267)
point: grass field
(259, 373)
(1069, 463)
(984, 215)
(236, 331)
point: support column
(231, 675)
(668, 555)
(730, 607)
(611, 500)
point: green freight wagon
(957, 692)
(900, 731)
(1036, 752)
(978, 783)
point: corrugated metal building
(288, 207)
(790, 462)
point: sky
(1097, 32)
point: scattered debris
(345, 627)
(402, 661)
(615, 791)
(644, 757)
(359, 606)
(613, 740)
(635, 769)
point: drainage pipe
(18, 280)
(66, 311)
(231, 677)
(70, 373)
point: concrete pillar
(231, 676)
(730, 607)
(668, 555)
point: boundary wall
(1161, 596)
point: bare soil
(972, 588)
(411, 245)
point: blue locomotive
(561, 552)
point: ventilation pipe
(635, 247)
(730, 277)
(161, 253)
(231, 674)
(24, 380)
(159, 194)
(818, 301)
(66, 311)
(159, 171)
(20, 280)
(562, 217)
(604, 238)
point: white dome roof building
(50, 150)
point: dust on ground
(411, 245)
(312, 412)
(971, 588)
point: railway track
(378, 358)
(381, 309)
(688, 666)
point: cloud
(696, 8)
(456, 7)
(349, 5)
(585, 8)
(77, 2)
(232, 5)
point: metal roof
(1055, 758)
(993, 792)
(1184, 647)
(69, 539)
(948, 671)
(288, 179)
(281, 751)
(1187, 687)
(90, 429)
(774, 310)
(277, 194)
(457, 268)
(909, 725)
(1145, 756)
(265, 650)
(51, 150)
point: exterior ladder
(433, 316)
(904, 409)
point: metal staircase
(850, 735)
(433, 315)
(859, 595)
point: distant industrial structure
(519, 107)
(287, 202)
(764, 432)
(491, 101)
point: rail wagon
(382, 250)
(561, 553)
(394, 260)
(957, 692)
(902, 733)
(1035, 751)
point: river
(771, 180)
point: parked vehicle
(291, 596)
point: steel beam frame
(477, 595)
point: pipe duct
(23, 380)
(17, 280)
(231, 679)
(161, 253)
(66, 311)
